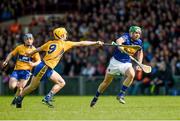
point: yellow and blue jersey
(54, 49)
(22, 62)
(22, 68)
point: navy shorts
(42, 72)
(21, 74)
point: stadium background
(83, 68)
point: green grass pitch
(77, 108)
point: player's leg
(38, 74)
(31, 87)
(107, 80)
(129, 73)
(22, 84)
(24, 76)
(111, 70)
(13, 85)
(13, 82)
(18, 77)
(59, 84)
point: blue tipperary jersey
(122, 57)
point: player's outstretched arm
(33, 52)
(88, 43)
(34, 63)
(10, 55)
(37, 60)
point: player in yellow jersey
(24, 64)
(54, 50)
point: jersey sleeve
(45, 47)
(139, 42)
(15, 51)
(125, 36)
(68, 45)
(36, 57)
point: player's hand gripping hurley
(145, 68)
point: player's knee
(61, 82)
(33, 87)
(12, 86)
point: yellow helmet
(59, 32)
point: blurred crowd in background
(100, 20)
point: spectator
(89, 70)
(163, 78)
(15, 27)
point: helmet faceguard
(28, 39)
(27, 36)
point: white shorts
(117, 68)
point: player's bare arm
(88, 43)
(119, 41)
(33, 64)
(10, 55)
(33, 52)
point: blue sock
(97, 94)
(49, 96)
(123, 90)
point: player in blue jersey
(120, 64)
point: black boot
(19, 102)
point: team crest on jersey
(24, 58)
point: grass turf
(77, 107)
